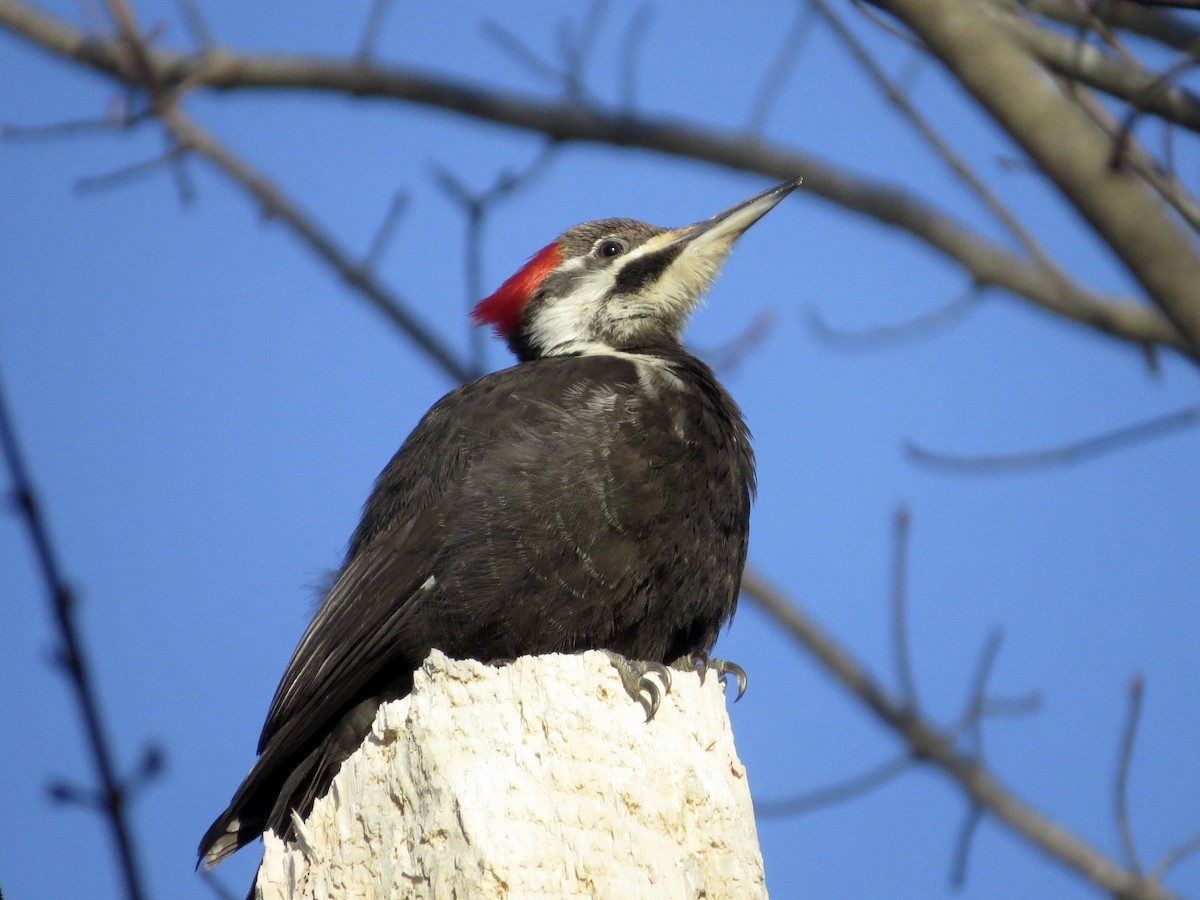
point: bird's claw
(635, 676)
(702, 664)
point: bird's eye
(610, 248)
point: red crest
(503, 309)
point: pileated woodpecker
(594, 496)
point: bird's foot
(635, 676)
(702, 664)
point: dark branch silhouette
(886, 336)
(1121, 783)
(901, 525)
(1067, 454)
(112, 797)
(986, 262)
(849, 789)
(927, 744)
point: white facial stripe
(590, 318)
(676, 293)
(564, 321)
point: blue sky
(204, 408)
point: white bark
(535, 779)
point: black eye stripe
(638, 273)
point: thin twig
(780, 68)
(476, 207)
(185, 188)
(725, 358)
(962, 847)
(1175, 856)
(627, 56)
(72, 128)
(1024, 705)
(276, 205)
(887, 26)
(926, 744)
(1121, 783)
(834, 794)
(521, 53)
(887, 336)
(973, 717)
(371, 30)
(1171, 4)
(1124, 79)
(195, 24)
(387, 228)
(113, 796)
(575, 48)
(1010, 86)
(980, 705)
(1166, 28)
(901, 526)
(940, 146)
(985, 261)
(125, 174)
(209, 877)
(1109, 442)
(1160, 86)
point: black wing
(513, 520)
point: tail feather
(273, 791)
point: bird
(594, 496)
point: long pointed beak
(726, 227)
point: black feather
(568, 503)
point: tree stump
(539, 778)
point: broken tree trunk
(536, 778)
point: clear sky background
(204, 408)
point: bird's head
(617, 284)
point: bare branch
(1165, 27)
(125, 174)
(726, 357)
(887, 26)
(973, 718)
(1010, 87)
(576, 46)
(1175, 856)
(387, 228)
(1127, 154)
(197, 28)
(781, 67)
(986, 262)
(1121, 783)
(930, 135)
(849, 789)
(371, 30)
(1108, 442)
(927, 744)
(901, 524)
(1023, 705)
(72, 128)
(885, 336)
(476, 207)
(1161, 86)
(962, 849)
(1089, 65)
(522, 54)
(980, 705)
(209, 877)
(112, 798)
(631, 44)
(276, 205)
(1170, 4)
